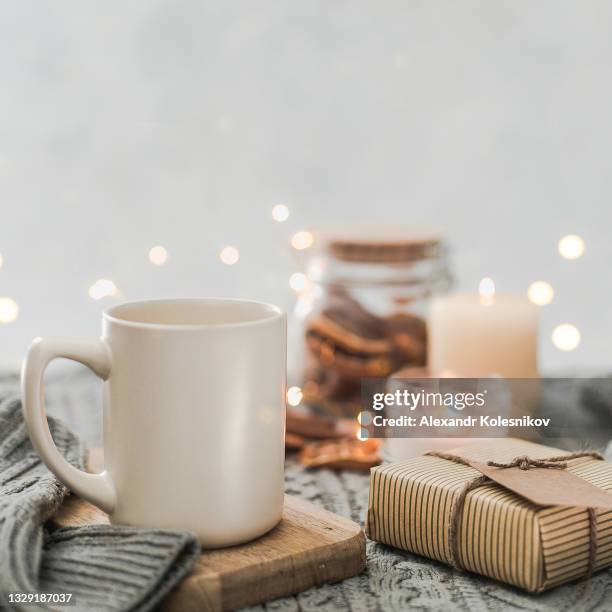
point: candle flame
(486, 290)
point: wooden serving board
(309, 547)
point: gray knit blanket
(103, 567)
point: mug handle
(96, 355)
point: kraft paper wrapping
(501, 534)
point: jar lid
(380, 244)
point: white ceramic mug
(194, 415)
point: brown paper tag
(548, 486)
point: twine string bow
(524, 463)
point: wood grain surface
(309, 547)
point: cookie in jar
(363, 312)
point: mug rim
(274, 314)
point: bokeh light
(540, 293)
(298, 281)
(364, 417)
(571, 246)
(302, 240)
(294, 396)
(102, 288)
(9, 310)
(158, 255)
(229, 255)
(280, 212)
(566, 337)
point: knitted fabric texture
(104, 567)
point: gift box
(522, 513)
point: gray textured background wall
(180, 122)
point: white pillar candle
(484, 334)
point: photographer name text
(467, 421)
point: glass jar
(363, 310)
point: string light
(9, 310)
(229, 255)
(566, 337)
(158, 255)
(294, 396)
(486, 290)
(298, 281)
(362, 434)
(102, 288)
(302, 240)
(280, 213)
(540, 293)
(364, 418)
(571, 246)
